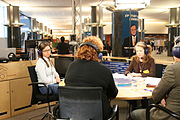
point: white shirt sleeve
(54, 72)
(44, 73)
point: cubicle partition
(120, 67)
(116, 66)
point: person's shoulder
(40, 61)
(151, 58)
(176, 65)
(127, 38)
(102, 66)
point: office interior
(26, 23)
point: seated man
(167, 93)
(63, 48)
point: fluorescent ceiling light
(131, 4)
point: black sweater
(93, 74)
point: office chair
(173, 114)
(82, 103)
(159, 70)
(61, 65)
(37, 96)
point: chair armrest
(171, 113)
(115, 113)
(41, 83)
(37, 83)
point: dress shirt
(133, 40)
(45, 74)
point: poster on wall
(129, 32)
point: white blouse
(45, 74)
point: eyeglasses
(48, 50)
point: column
(173, 28)
(13, 27)
(117, 33)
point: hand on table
(134, 75)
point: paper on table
(121, 80)
(152, 81)
(117, 75)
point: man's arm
(165, 85)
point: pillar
(117, 33)
(173, 28)
(93, 20)
(13, 27)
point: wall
(150, 28)
(3, 29)
(3, 42)
(155, 28)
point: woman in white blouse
(46, 72)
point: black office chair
(82, 103)
(159, 70)
(173, 114)
(37, 96)
(61, 65)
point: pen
(148, 90)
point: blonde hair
(146, 56)
(86, 52)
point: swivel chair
(82, 103)
(171, 113)
(37, 96)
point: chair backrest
(35, 88)
(80, 103)
(159, 70)
(62, 64)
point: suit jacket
(128, 43)
(169, 88)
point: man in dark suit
(130, 42)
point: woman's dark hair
(41, 47)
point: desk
(138, 92)
(130, 93)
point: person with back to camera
(63, 48)
(130, 42)
(142, 64)
(167, 93)
(87, 71)
(45, 70)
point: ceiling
(57, 14)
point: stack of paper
(121, 80)
(152, 82)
